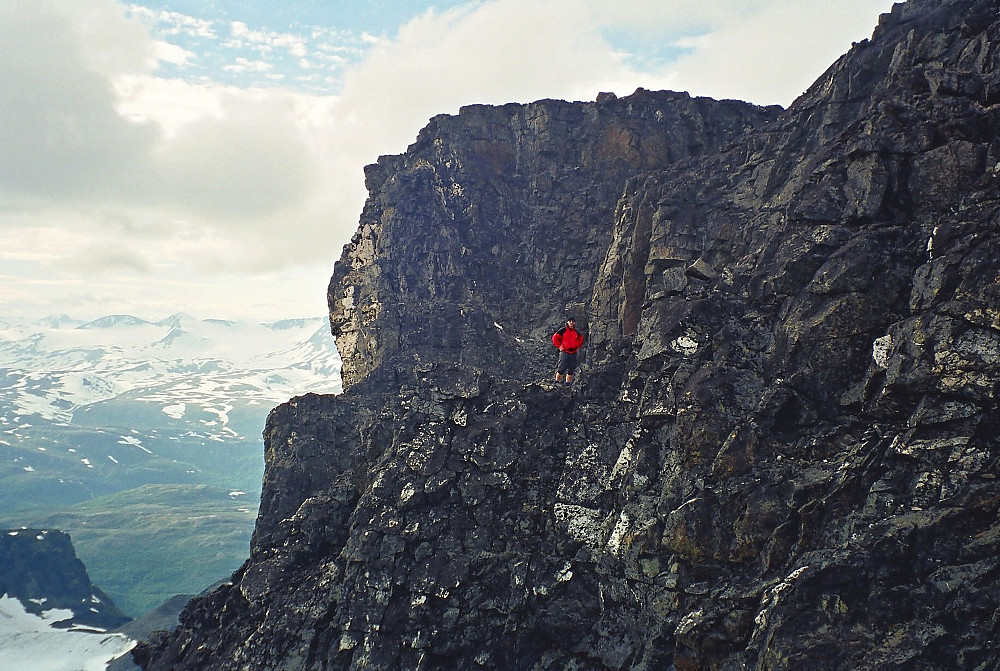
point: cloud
(76, 130)
(493, 52)
(59, 131)
(172, 54)
(772, 54)
(176, 23)
(243, 172)
(243, 36)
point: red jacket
(567, 339)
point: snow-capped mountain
(56, 367)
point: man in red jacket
(568, 340)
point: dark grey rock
(39, 568)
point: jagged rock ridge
(783, 453)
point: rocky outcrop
(39, 568)
(475, 241)
(782, 451)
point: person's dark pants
(567, 363)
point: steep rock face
(474, 242)
(812, 339)
(783, 453)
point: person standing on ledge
(568, 340)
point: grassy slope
(145, 545)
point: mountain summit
(781, 452)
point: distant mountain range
(119, 412)
(57, 366)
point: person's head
(570, 321)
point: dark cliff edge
(781, 452)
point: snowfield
(33, 643)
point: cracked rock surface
(781, 451)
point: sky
(206, 156)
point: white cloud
(108, 171)
(771, 55)
(59, 132)
(265, 41)
(165, 52)
(176, 23)
(71, 133)
(247, 65)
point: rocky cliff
(781, 452)
(473, 242)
